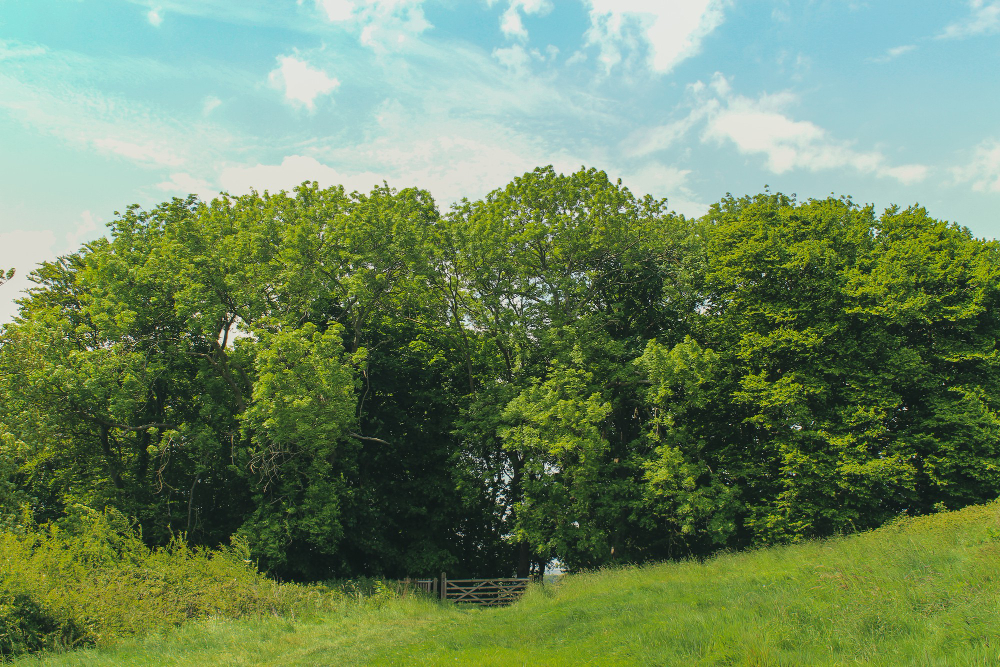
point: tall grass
(90, 580)
(922, 591)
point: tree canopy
(359, 384)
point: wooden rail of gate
(495, 592)
(426, 585)
(485, 592)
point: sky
(107, 103)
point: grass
(923, 591)
(90, 580)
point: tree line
(360, 384)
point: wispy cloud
(13, 50)
(452, 158)
(983, 19)
(446, 79)
(662, 137)
(260, 12)
(90, 119)
(181, 183)
(210, 104)
(670, 30)
(25, 249)
(380, 23)
(762, 126)
(300, 82)
(893, 53)
(983, 169)
(517, 59)
(290, 172)
(56, 94)
(511, 23)
(155, 17)
(451, 155)
(661, 180)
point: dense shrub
(89, 579)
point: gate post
(444, 586)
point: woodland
(356, 384)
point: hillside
(922, 591)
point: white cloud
(469, 162)
(22, 249)
(652, 140)
(511, 23)
(983, 170)
(293, 170)
(48, 95)
(984, 19)
(301, 82)
(893, 53)
(761, 126)
(10, 50)
(210, 104)
(452, 157)
(381, 23)
(516, 58)
(155, 17)
(85, 231)
(25, 249)
(183, 184)
(672, 30)
(907, 174)
(459, 80)
(665, 181)
(336, 10)
(144, 151)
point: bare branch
(367, 439)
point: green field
(922, 591)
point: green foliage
(554, 429)
(558, 279)
(89, 579)
(864, 357)
(361, 386)
(303, 404)
(689, 487)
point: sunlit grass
(922, 592)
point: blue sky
(105, 103)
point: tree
(360, 385)
(550, 273)
(853, 340)
(302, 409)
(693, 490)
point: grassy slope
(923, 592)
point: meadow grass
(922, 591)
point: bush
(89, 579)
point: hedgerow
(88, 579)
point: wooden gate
(485, 592)
(495, 592)
(426, 585)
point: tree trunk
(523, 559)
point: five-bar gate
(494, 592)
